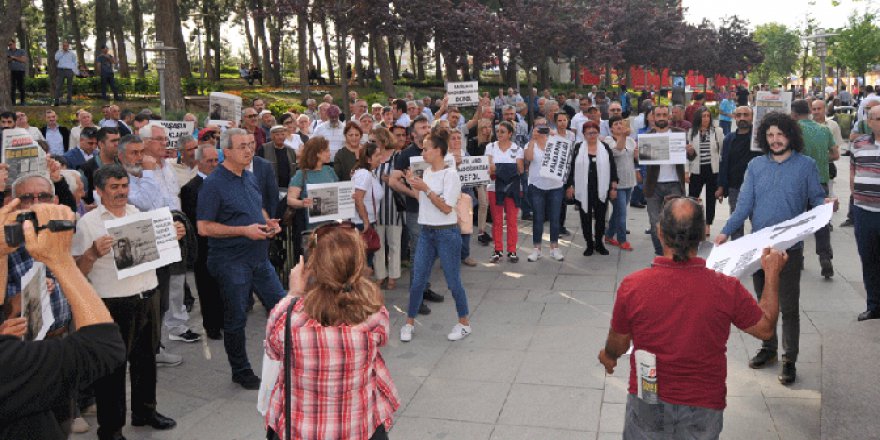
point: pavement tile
(479, 364)
(456, 399)
(552, 407)
(507, 432)
(439, 429)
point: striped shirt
(388, 213)
(705, 148)
(865, 162)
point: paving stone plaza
(529, 370)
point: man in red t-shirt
(680, 312)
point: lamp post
(159, 60)
(820, 38)
(195, 16)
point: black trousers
(17, 84)
(209, 296)
(134, 316)
(695, 188)
(593, 220)
(380, 434)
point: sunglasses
(42, 197)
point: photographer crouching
(39, 378)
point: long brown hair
(340, 293)
(313, 147)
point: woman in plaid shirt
(341, 388)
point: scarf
(582, 178)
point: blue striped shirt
(773, 192)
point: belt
(455, 225)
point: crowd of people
(240, 201)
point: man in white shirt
(401, 118)
(21, 121)
(578, 120)
(56, 136)
(84, 119)
(132, 303)
(66, 68)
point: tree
(138, 17)
(165, 21)
(50, 19)
(858, 44)
(737, 47)
(780, 46)
(8, 24)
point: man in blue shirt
(725, 112)
(230, 213)
(778, 186)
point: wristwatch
(428, 193)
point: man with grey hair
(230, 214)
(311, 109)
(184, 166)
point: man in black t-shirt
(420, 129)
(736, 153)
(742, 96)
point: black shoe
(789, 373)
(589, 250)
(432, 296)
(847, 224)
(187, 336)
(526, 216)
(648, 231)
(496, 257)
(484, 239)
(158, 421)
(424, 310)
(600, 248)
(563, 232)
(114, 436)
(512, 257)
(762, 359)
(216, 335)
(869, 314)
(827, 267)
(638, 205)
(247, 379)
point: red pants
(498, 213)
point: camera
(14, 233)
(543, 129)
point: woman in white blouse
(438, 191)
(368, 192)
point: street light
(159, 59)
(820, 38)
(195, 16)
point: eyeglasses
(43, 197)
(741, 115)
(592, 133)
(250, 116)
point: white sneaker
(166, 359)
(556, 254)
(535, 255)
(406, 332)
(459, 332)
(79, 425)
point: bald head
(681, 228)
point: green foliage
(780, 46)
(379, 97)
(281, 106)
(858, 45)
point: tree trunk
(24, 41)
(8, 22)
(137, 18)
(50, 19)
(438, 65)
(303, 53)
(165, 22)
(217, 46)
(451, 67)
(343, 61)
(476, 68)
(502, 69)
(412, 57)
(101, 25)
(260, 32)
(420, 61)
(577, 72)
(392, 57)
(371, 55)
(255, 58)
(358, 64)
(327, 52)
(275, 42)
(530, 97)
(116, 21)
(180, 44)
(313, 48)
(75, 32)
(385, 71)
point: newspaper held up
(36, 306)
(557, 159)
(463, 94)
(22, 153)
(143, 242)
(175, 129)
(743, 256)
(224, 106)
(474, 171)
(662, 148)
(331, 201)
(646, 376)
(766, 102)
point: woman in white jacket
(706, 140)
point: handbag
(370, 236)
(272, 369)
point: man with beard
(778, 186)
(108, 144)
(736, 153)
(662, 181)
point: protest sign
(143, 241)
(743, 256)
(176, 129)
(557, 159)
(224, 106)
(662, 149)
(463, 94)
(418, 165)
(22, 154)
(36, 306)
(766, 102)
(331, 201)
(474, 171)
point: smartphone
(543, 129)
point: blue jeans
(525, 205)
(237, 279)
(867, 230)
(638, 194)
(617, 224)
(666, 421)
(446, 244)
(544, 201)
(465, 246)
(725, 126)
